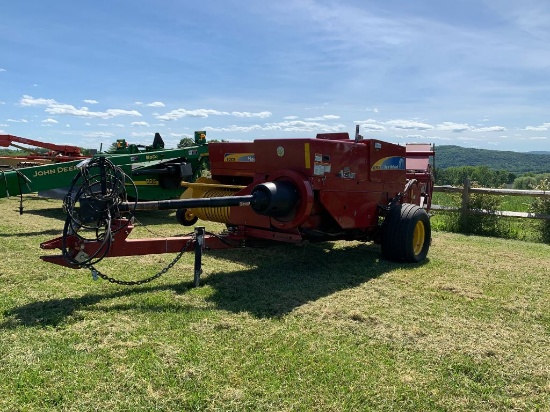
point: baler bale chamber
(345, 187)
(289, 190)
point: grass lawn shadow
(283, 278)
(53, 312)
(276, 281)
(49, 232)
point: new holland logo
(389, 163)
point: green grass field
(509, 203)
(327, 327)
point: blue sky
(468, 73)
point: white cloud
(290, 117)
(53, 107)
(538, 138)
(415, 136)
(408, 125)
(99, 134)
(140, 134)
(324, 117)
(303, 126)
(374, 110)
(180, 113)
(323, 107)
(49, 120)
(454, 127)
(234, 128)
(541, 128)
(371, 127)
(90, 101)
(261, 115)
(467, 138)
(490, 129)
(287, 126)
(17, 121)
(27, 100)
(204, 113)
(437, 138)
(67, 109)
(156, 104)
(2, 70)
(139, 124)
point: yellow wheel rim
(419, 237)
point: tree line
(486, 177)
(482, 175)
(515, 162)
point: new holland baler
(286, 190)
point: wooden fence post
(464, 210)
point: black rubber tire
(406, 234)
(183, 216)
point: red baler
(287, 190)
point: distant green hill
(514, 162)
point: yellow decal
(239, 157)
(307, 155)
(146, 182)
(53, 171)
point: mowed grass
(329, 327)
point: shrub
(542, 205)
(488, 224)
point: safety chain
(96, 273)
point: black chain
(96, 273)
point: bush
(542, 205)
(486, 225)
(530, 181)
